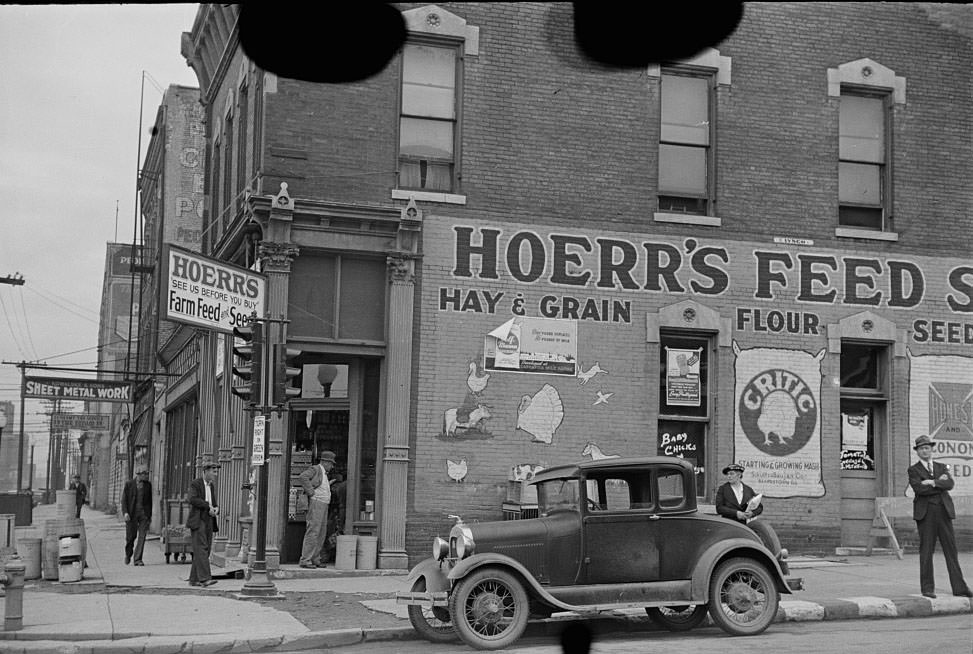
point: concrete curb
(853, 608)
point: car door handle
(654, 517)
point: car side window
(672, 492)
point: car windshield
(558, 495)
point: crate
(518, 511)
(520, 492)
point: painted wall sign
(77, 389)
(209, 293)
(777, 428)
(941, 405)
(682, 377)
(537, 345)
(85, 421)
(615, 264)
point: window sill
(687, 219)
(872, 235)
(426, 196)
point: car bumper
(439, 598)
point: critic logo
(778, 412)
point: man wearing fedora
(932, 509)
(316, 486)
(202, 522)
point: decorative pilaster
(275, 259)
(398, 393)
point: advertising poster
(685, 439)
(682, 377)
(537, 345)
(854, 441)
(777, 426)
(941, 405)
(209, 293)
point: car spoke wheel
(432, 623)
(677, 618)
(489, 608)
(743, 597)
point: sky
(71, 83)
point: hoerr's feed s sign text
(209, 293)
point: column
(276, 264)
(398, 393)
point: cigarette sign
(77, 389)
(85, 421)
(209, 293)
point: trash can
(367, 552)
(346, 552)
(29, 550)
(70, 568)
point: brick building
(496, 253)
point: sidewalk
(119, 608)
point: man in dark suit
(80, 493)
(137, 512)
(932, 509)
(202, 522)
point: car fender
(466, 566)
(434, 573)
(709, 559)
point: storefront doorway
(337, 412)
(864, 435)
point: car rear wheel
(432, 623)
(489, 608)
(677, 618)
(743, 597)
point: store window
(684, 401)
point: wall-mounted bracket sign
(209, 293)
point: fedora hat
(735, 467)
(326, 455)
(923, 440)
(210, 465)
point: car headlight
(462, 541)
(783, 553)
(440, 549)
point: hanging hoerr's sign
(209, 293)
(77, 389)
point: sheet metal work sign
(77, 389)
(84, 421)
(259, 438)
(209, 293)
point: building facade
(166, 384)
(496, 255)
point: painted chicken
(456, 469)
(477, 381)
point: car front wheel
(677, 618)
(432, 623)
(489, 608)
(743, 597)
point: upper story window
(685, 157)
(862, 161)
(428, 124)
(867, 94)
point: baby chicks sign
(778, 420)
(209, 293)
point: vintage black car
(611, 533)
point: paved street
(944, 635)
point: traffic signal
(284, 374)
(251, 352)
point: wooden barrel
(52, 535)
